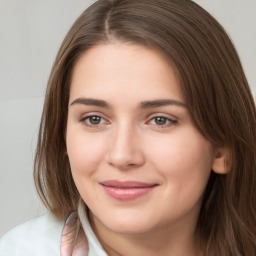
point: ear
(220, 161)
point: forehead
(120, 69)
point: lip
(127, 190)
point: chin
(129, 224)
(129, 228)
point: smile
(128, 190)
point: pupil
(94, 119)
(160, 120)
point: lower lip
(127, 193)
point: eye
(162, 121)
(94, 121)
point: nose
(125, 149)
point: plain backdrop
(31, 32)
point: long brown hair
(214, 88)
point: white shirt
(45, 236)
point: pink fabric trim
(70, 246)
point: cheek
(184, 160)
(179, 150)
(85, 152)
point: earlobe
(220, 161)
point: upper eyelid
(171, 118)
(167, 118)
(94, 113)
(148, 117)
(85, 117)
(95, 126)
(165, 115)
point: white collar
(95, 248)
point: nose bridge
(124, 146)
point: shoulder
(40, 236)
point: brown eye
(94, 120)
(160, 120)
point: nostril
(125, 160)
(124, 151)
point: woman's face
(136, 157)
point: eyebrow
(161, 103)
(142, 105)
(92, 102)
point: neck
(163, 241)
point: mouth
(127, 190)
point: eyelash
(169, 121)
(86, 122)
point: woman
(147, 138)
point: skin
(129, 144)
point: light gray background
(30, 34)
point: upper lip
(127, 184)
